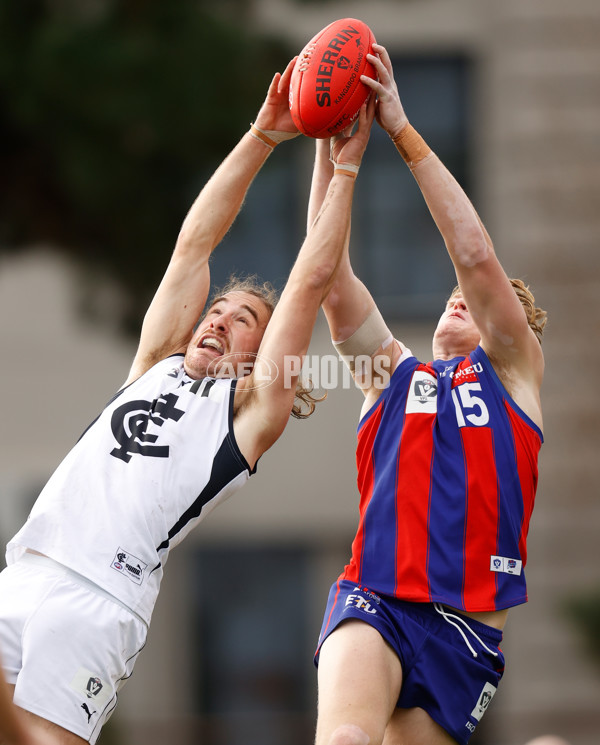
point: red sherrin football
(326, 91)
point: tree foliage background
(112, 115)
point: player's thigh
(79, 646)
(415, 727)
(52, 734)
(41, 730)
(359, 678)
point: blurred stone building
(219, 665)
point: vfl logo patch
(422, 396)
(503, 564)
(87, 684)
(130, 423)
(129, 565)
(94, 686)
(483, 702)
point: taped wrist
(411, 146)
(349, 169)
(365, 341)
(271, 137)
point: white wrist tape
(348, 168)
(271, 137)
(366, 340)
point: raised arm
(182, 293)
(262, 412)
(490, 298)
(355, 324)
(348, 302)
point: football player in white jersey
(64, 620)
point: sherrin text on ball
(326, 91)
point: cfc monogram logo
(130, 423)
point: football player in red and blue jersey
(447, 473)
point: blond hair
(536, 317)
(305, 402)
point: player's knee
(349, 734)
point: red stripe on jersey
(481, 516)
(527, 446)
(365, 478)
(413, 476)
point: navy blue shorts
(451, 664)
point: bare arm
(490, 298)
(349, 302)
(262, 413)
(183, 291)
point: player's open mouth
(211, 342)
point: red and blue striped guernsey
(447, 474)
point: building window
(396, 248)
(254, 653)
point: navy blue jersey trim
(226, 466)
(106, 711)
(231, 436)
(228, 463)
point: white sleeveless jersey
(155, 462)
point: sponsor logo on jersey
(466, 373)
(506, 565)
(360, 602)
(129, 565)
(486, 695)
(422, 395)
(87, 710)
(370, 593)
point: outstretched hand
(275, 114)
(389, 110)
(349, 148)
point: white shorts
(66, 645)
